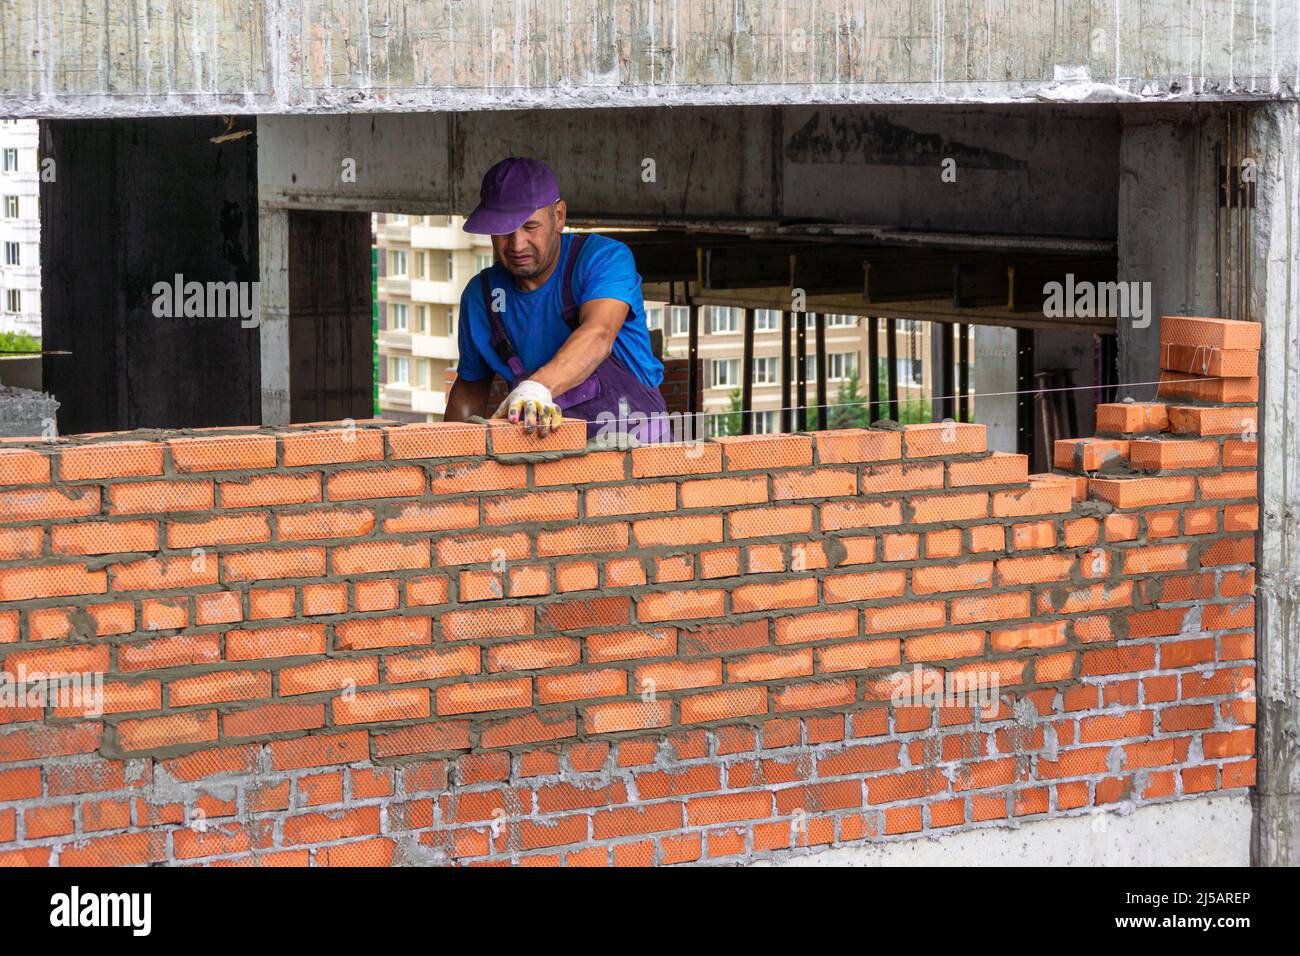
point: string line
(939, 398)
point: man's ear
(561, 213)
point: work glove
(531, 404)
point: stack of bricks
(428, 644)
(1210, 360)
(676, 386)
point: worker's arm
(599, 323)
(609, 285)
(532, 403)
(467, 398)
(474, 376)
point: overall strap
(500, 340)
(570, 306)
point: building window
(841, 364)
(451, 267)
(397, 263)
(838, 365)
(396, 218)
(654, 318)
(422, 319)
(841, 321)
(451, 321)
(11, 161)
(397, 320)
(765, 370)
(725, 374)
(11, 207)
(765, 423)
(681, 319)
(767, 320)
(482, 262)
(421, 265)
(909, 371)
(13, 300)
(12, 254)
(423, 371)
(399, 370)
(724, 318)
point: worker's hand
(531, 405)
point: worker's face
(532, 249)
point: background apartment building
(20, 228)
(423, 263)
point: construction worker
(559, 316)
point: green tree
(18, 342)
(850, 409)
(731, 424)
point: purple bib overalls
(613, 389)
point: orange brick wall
(376, 644)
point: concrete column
(995, 371)
(273, 288)
(1166, 227)
(1275, 301)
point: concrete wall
(278, 56)
(455, 643)
(135, 203)
(1168, 195)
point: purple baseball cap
(512, 191)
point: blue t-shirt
(534, 320)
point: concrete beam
(1048, 171)
(353, 56)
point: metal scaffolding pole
(801, 370)
(873, 369)
(947, 371)
(891, 365)
(747, 378)
(821, 370)
(787, 416)
(964, 333)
